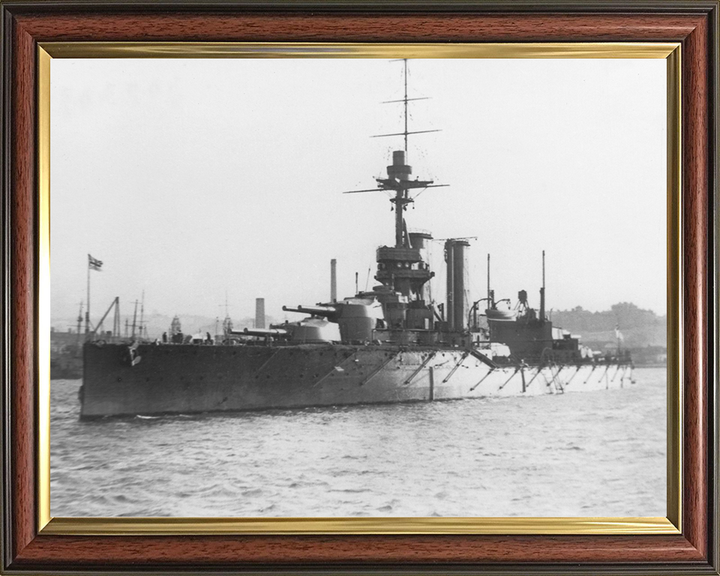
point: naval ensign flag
(94, 263)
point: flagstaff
(87, 310)
(93, 264)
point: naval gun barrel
(329, 312)
(260, 332)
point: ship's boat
(496, 315)
(389, 344)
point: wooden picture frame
(29, 547)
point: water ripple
(578, 454)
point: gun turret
(329, 312)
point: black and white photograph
(358, 287)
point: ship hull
(187, 379)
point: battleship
(390, 344)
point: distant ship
(390, 344)
(66, 359)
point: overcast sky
(191, 179)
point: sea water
(599, 453)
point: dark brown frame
(694, 24)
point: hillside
(639, 328)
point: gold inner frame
(671, 52)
